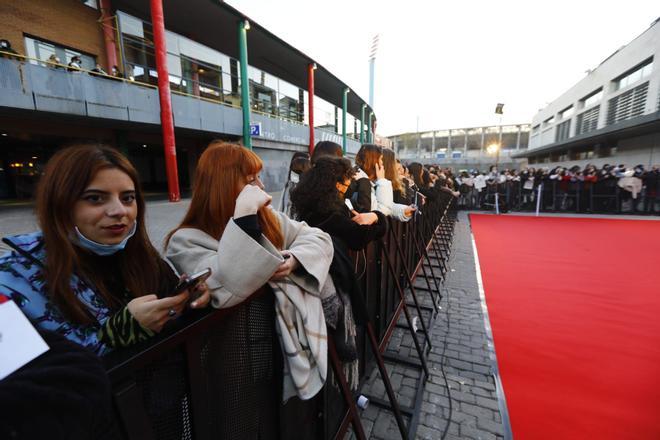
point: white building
(610, 116)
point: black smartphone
(190, 282)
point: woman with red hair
(257, 254)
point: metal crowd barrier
(598, 197)
(165, 388)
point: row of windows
(633, 76)
(201, 71)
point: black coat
(63, 394)
(346, 234)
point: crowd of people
(75, 63)
(608, 189)
(91, 282)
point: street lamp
(493, 148)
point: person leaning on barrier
(75, 65)
(54, 62)
(299, 164)
(319, 200)
(326, 148)
(392, 174)
(272, 271)
(6, 51)
(91, 273)
(372, 191)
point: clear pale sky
(449, 62)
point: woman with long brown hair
(257, 254)
(91, 273)
(372, 190)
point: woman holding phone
(231, 228)
(91, 274)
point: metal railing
(167, 387)
(603, 196)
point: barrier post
(538, 198)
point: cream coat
(241, 265)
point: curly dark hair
(317, 193)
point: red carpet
(574, 305)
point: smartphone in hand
(191, 282)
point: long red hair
(221, 170)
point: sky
(446, 64)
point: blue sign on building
(255, 129)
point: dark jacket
(346, 234)
(62, 394)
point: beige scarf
(303, 337)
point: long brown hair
(220, 170)
(391, 173)
(367, 158)
(66, 176)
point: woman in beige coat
(231, 228)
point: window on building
(637, 74)
(592, 98)
(456, 154)
(535, 129)
(567, 112)
(550, 120)
(587, 121)
(563, 131)
(42, 50)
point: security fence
(171, 387)
(552, 196)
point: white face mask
(294, 177)
(103, 249)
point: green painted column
(344, 108)
(371, 127)
(364, 106)
(243, 27)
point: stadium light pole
(344, 108)
(243, 27)
(372, 68)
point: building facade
(610, 116)
(465, 148)
(44, 104)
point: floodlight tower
(372, 68)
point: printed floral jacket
(22, 280)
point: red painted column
(166, 120)
(310, 90)
(109, 35)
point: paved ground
(467, 362)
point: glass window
(635, 75)
(549, 121)
(43, 50)
(566, 113)
(593, 98)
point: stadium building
(212, 55)
(610, 116)
(465, 148)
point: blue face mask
(103, 249)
